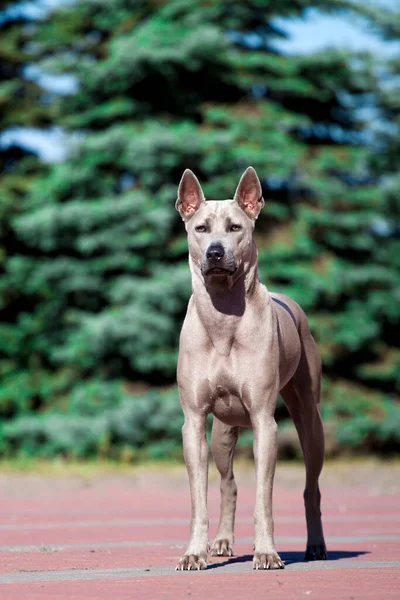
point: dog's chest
(225, 391)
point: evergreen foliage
(22, 104)
(98, 281)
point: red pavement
(120, 537)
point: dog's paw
(192, 562)
(268, 560)
(222, 547)
(316, 552)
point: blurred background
(103, 104)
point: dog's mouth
(219, 271)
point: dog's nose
(215, 252)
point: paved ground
(119, 536)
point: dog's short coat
(241, 346)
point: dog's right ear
(190, 195)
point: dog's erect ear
(190, 195)
(249, 194)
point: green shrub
(104, 419)
(117, 421)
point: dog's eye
(236, 227)
(201, 228)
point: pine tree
(164, 86)
(22, 104)
(383, 368)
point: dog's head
(220, 233)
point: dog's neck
(222, 303)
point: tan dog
(241, 346)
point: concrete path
(119, 536)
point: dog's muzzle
(216, 262)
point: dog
(240, 346)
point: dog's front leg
(195, 451)
(265, 453)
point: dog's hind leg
(223, 443)
(302, 398)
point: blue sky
(305, 35)
(321, 31)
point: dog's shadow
(289, 558)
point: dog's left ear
(190, 195)
(249, 194)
